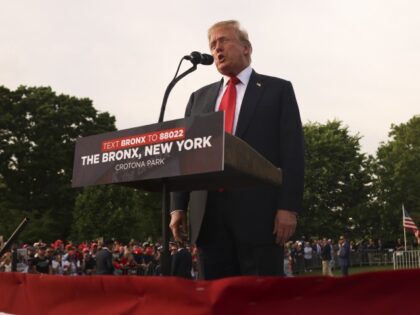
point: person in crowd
(194, 257)
(344, 255)
(333, 251)
(158, 259)
(288, 260)
(70, 263)
(181, 262)
(307, 255)
(116, 262)
(57, 264)
(93, 250)
(104, 259)
(298, 259)
(31, 251)
(326, 258)
(6, 262)
(58, 246)
(41, 263)
(317, 248)
(149, 262)
(22, 260)
(88, 262)
(138, 256)
(129, 265)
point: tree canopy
(336, 176)
(116, 212)
(38, 130)
(397, 171)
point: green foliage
(398, 177)
(38, 130)
(336, 176)
(116, 212)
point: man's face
(231, 56)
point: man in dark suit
(104, 259)
(344, 255)
(241, 232)
(181, 262)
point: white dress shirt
(243, 77)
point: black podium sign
(182, 147)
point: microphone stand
(169, 89)
(165, 256)
(13, 236)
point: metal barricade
(371, 257)
(409, 259)
(362, 258)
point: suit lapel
(213, 93)
(249, 104)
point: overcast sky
(357, 61)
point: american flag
(408, 222)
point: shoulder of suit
(208, 87)
(264, 77)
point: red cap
(69, 246)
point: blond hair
(236, 26)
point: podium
(192, 153)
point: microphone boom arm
(13, 236)
(169, 89)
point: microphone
(197, 58)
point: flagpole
(405, 236)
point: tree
(9, 218)
(336, 178)
(38, 130)
(116, 212)
(398, 177)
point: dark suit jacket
(344, 254)
(104, 262)
(269, 121)
(326, 252)
(181, 264)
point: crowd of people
(143, 259)
(89, 258)
(302, 256)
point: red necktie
(228, 104)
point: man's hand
(178, 225)
(284, 225)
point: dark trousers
(344, 270)
(222, 253)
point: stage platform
(393, 292)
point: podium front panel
(193, 145)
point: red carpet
(370, 293)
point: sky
(355, 61)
